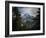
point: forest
(24, 18)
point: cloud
(28, 10)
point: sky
(28, 10)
